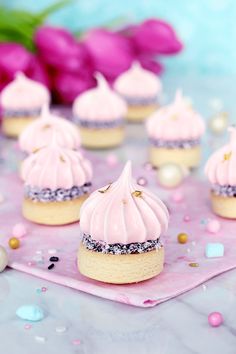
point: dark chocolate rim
(118, 248)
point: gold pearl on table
(3, 259)
(219, 123)
(14, 243)
(182, 238)
(170, 175)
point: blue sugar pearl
(32, 313)
(214, 250)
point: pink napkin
(190, 200)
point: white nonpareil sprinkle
(40, 339)
(52, 251)
(61, 329)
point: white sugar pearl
(170, 175)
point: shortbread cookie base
(120, 269)
(13, 127)
(185, 157)
(224, 206)
(53, 213)
(101, 138)
(137, 114)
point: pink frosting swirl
(24, 93)
(100, 103)
(138, 83)
(221, 166)
(56, 167)
(39, 133)
(177, 121)
(124, 212)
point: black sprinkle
(54, 259)
(51, 266)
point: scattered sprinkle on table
(193, 265)
(52, 251)
(51, 266)
(215, 319)
(182, 238)
(54, 259)
(14, 243)
(40, 339)
(19, 230)
(213, 226)
(76, 342)
(61, 329)
(32, 313)
(214, 250)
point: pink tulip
(13, 58)
(111, 52)
(151, 64)
(59, 49)
(68, 86)
(37, 71)
(156, 37)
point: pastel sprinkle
(19, 230)
(215, 319)
(76, 342)
(30, 264)
(61, 329)
(177, 196)
(52, 251)
(142, 181)
(44, 289)
(40, 339)
(213, 226)
(214, 250)
(186, 218)
(204, 287)
(32, 313)
(51, 266)
(27, 326)
(111, 160)
(39, 252)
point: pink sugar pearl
(112, 160)
(186, 218)
(19, 230)
(213, 226)
(215, 319)
(177, 196)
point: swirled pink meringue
(138, 83)
(24, 93)
(39, 133)
(100, 103)
(124, 213)
(177, 121)
(221, 166)
(56, 167)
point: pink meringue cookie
(99, 104)
(138, 82)
(56, 167)
(124, 212)
(23, 94)
(221, 166)
(177, 121)
(39, 133)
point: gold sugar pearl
(182, 238)
(14, 243)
